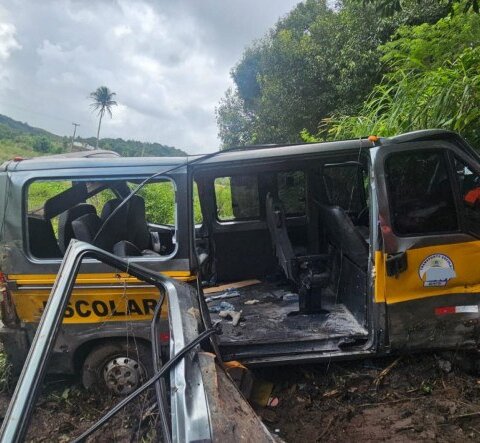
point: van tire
(117, 367)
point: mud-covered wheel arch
(117, 366)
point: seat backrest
(276, 223)
(41, 238)
(138, 232)
(85, 228)
(65, 230)
(343, 234)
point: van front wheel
(117, 367)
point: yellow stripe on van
(105, 278)
(409, 285)
(96, 298)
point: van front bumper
(15, 345)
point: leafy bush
(433, 82)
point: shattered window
(344, 187)
(420, 193)
(159, 200)
(469, 183)
(237, 197)
(291, 191)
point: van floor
(272, 325)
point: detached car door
(427, 270)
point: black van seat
(138, 232)
(308, 271)
(343, 235)
(131, 236)
(65, 230)
(85, 228)
(41, 238)
(277, 226)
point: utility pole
(73, 136)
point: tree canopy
(354, 69)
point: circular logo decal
(436, 270)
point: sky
(168, 61)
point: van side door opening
(282, 224)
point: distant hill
(21, 139)
(133, 148)
(17, 127)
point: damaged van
(335, 250)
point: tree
(390, 7)
(316, 62)
(42, 144)
(432, 82)
(102, 102)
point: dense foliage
(361, 67)
(433, 80)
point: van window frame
(444, 151)
(234, 219)
(121, 177)
(461, 213)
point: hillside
(21, 139)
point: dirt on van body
(413, 398)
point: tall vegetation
(365, 66)
(102, 101)
(433, 80)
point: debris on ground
(291, 297)
(233, 315)
(225, 295)
(415, 400)
(251, 302)
(222, 306)
(390, 399)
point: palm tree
(102, 101)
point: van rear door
(427, 270)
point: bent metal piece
(17, 418)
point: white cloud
(167, 61)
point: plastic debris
(222, 306)
(291, 297)
(251, 302)
(273, 402)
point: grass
(10, 149)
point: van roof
(86, 159)
(102, 158)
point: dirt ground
(413, 398)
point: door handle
(396, 263)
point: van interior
(59, 211)
(303, 234)
(301, 231)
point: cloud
(168, 61)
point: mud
(414, 398)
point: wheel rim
(122, 375)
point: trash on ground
(222, 306)
(251, 302)
(444, 365)
(228, 294)
(261, 392)
(273, 402)
(235, 316)
(291, 296)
